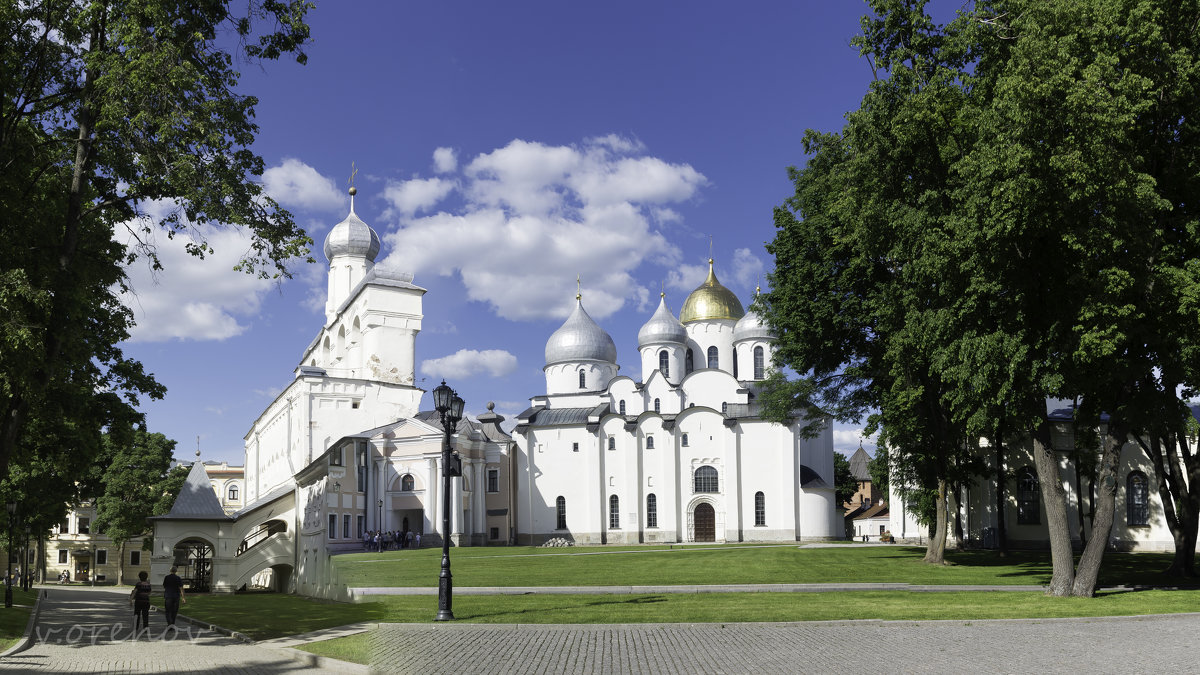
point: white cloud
(296, 184)
(193, 299)
(415, 195)
(747, 267)
(847, 439)
(444, 160)
(687, 277)
(467, 362)
(536, 216)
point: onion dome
(711, 301)
(751, 326)
(352, 237)
(580, 339)
(662, 327)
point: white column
(480, 509)
(432, 524)
(456, 506)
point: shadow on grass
(600, 601)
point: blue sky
(502, 149)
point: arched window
(706, 479)
(657, 406)
(651, 510)
(664, 363)
(1027, 498)
(560, 510)
(759, 363)
(760, 509)
(689, 362)
(649, 442)
(612, 443)
(683, 440)
(724, 408)
(582, 379)
(1137, 498)
(614, 512)
(233, 493)
(622, 407)
(712, 358)
(407, 484)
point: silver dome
(352, 237)
(580, 339)
(662, 327)
(751, 326)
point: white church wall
(710, 388)
(705, 334)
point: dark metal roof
(196, 500)
(810, 478)
(548, 417)
(858, 464)
(264, 500)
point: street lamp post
(449, 407)
(12, 509)
(379, 519)
(25, 576)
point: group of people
(140, 599)
(374, 540)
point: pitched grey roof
(546, 417)
(264, 500)
(858, 464)
(196, 500)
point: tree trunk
(935, 553)
(1080, 521)
(1105, 484)
(1054, 498)
(1001, 494)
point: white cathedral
(345, 448)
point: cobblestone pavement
(84, 630)
(1107, 645)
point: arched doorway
(705, 519)
(193, 557)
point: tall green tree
(844, 484)
(133, 484)
(108, 106)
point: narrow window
(724, 408)
(760, 509)
(233, 493)
(759, 364)
(582, 379)
(85, 526)
(362, 526)
(651, 510)
(333, 526)
(135, 558)
(560, 509)
(62, 556)
(712, 358)
(735, 365)
(649, 442)
(346, 526)
(494, 533)
(664, 363)
(689, 362)
(706, 479)
(407, 483)
(622, 407)
(493, 480)
(612, 443)
(1137, 497)
(101, 556)
(683, 440)
(614, 512)
(657, 406)
(1027, 498)
(574, 447)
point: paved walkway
(1109, 645)
(85, 630)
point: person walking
(140, 599)
(172, 595)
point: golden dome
(711, 301)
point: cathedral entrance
(705, 520)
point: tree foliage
(1008, 217)
(133, 484)
(118, 119)
(844, 484)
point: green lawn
(14, 619)
(602, 566)
(353, 648)
(270, 615)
